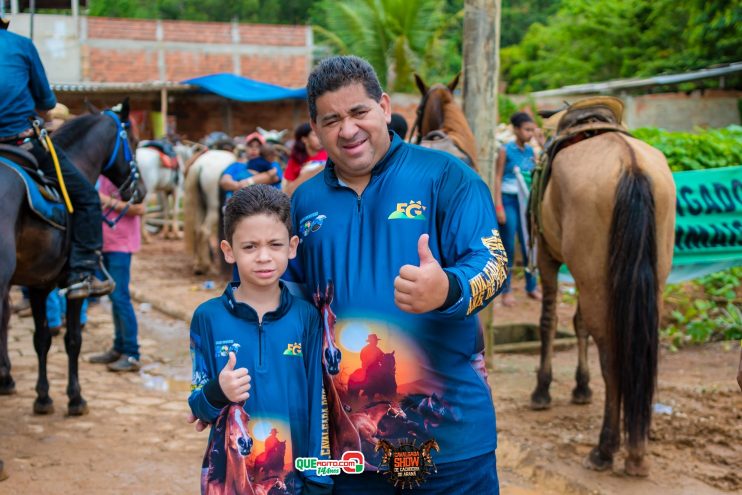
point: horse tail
(193, 209)
(634, 297)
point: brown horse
(608, 212)
(224, 470)
(438, 111)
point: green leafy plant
(712, 148)
(704, 310)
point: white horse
(166, 182)
(201, 207)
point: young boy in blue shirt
(257, 325)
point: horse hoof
(582, 397)
(3, 474)
(540, 402)
(597, 461)
(43, 407)
(635, 467)
(77, 409)
(7, 386)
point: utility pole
(481, 71)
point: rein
(122, 141)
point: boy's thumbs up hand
(235, 383)
(423, 288)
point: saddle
(42, 192)
(439, 140)
(165, 149)
(582, 120)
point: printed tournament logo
(406, 464)
(311, 223)
(352, 462)
(408, 211)
(293, 350)
(224, 347)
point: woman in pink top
(119, 243)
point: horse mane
(72, 131)
(456, 126)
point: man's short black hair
(254, 200)
(337, 72)
(398, 125)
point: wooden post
(163, 111)
(481, 71)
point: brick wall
(125, 29)
(132, 50)
(287, 71)
(106, 65)
(184, 64)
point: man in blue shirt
(24, 89)
(406, 240)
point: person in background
(24, 89)
(267, 161)
(398, 124)
(119, 244)
(306, 160)
(514, 157)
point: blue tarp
(244, 89)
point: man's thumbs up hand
(423, 288)
(235, 383)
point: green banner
(708, 221)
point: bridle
(131, 183)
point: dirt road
(135, 439)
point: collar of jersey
(246, 312)
(395, 144)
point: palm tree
(398, 37)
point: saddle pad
(52, 213)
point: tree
(594, 41)
(398, 37)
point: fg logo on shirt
(293, 350)
(408, 211)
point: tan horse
(608, 212)
(438, 111)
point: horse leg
(601, 457)
(42, 341)
(176, 199)
(549, 268)
(581, 393)
(7, 385)
(209, 230)
(72, 343)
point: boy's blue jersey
(420, 364)
(282, 356)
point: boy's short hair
(254, 200)
(337, 72)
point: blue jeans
(124, 320)
(508, 230)
(56, 306)
(476, 476)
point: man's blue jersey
(420, 365)
(282, 355)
